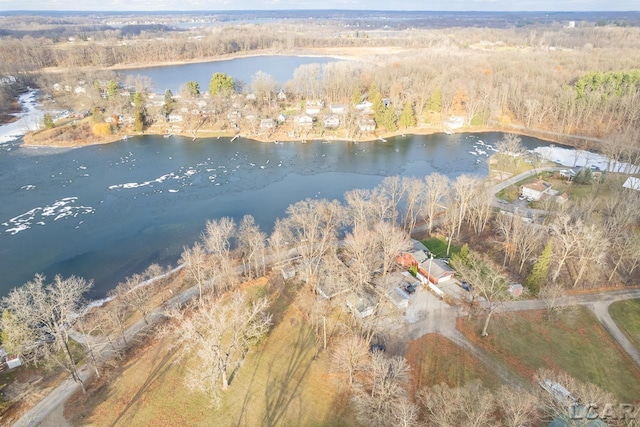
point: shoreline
(28, 140)
(343, 54)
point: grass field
(435, 360)
(574, 343)
(438, 246)
(282, 382)
(626, 314)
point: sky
(439, 5)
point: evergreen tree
(48, 121)
(584, 176)
(356, 98)
(193, 88)
(169, 102)
(538, 276)
(389, 120)
(96, 116)
(435, 101)
(140, 113)
(221, 84)
(112, 88)
(407, 118)
(375, 97)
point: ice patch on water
(578, 158)
(59, 209)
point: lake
(106, 212)
(171, 77)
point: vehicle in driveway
(466, 286)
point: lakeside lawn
(281, 382)
(438, 247)
(626, 315)
(434, 360)
(573, 342)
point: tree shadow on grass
(283, 386)
(155, 375)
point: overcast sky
(453, 5)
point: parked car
(466, 286)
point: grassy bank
(626, 316)
(573, 342)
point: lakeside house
(332, 122)
(535, 190)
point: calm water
(171, 77)
(105, 212)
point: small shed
(515, 290)
(13, 361)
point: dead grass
(435, 360)
(283, 382)
(573, 342)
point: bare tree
(464, 191)
(437, 187)
(519, 406)
(391, 243)
(364, 256)
(567, 402)
(217, 235)
(219, 334)
(136, 294)
(552, 293)
(487, 283)
(470, 405)
(44, 313)
(480, 208)
(197, 264)
(380, 399)
(413, 201)
(252, 246)
(367, 207)
(511, 146)
(393, 189)
(313, 226)
(350, 355)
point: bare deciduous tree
(313, 226)
(197, 264)
(380, 399)
(519, 406)
(45, 313)
(437, 187)
(252, 246)
(135, 294)
(217, 235)
(350, 355)
(219, 334)
(487, 283)
(470, 405)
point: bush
(101, 129)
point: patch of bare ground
(435, 360)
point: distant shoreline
(29, 142)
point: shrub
(101, 129)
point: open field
(573, 342)
(435, 360)
(625, 314)
(281, 382)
